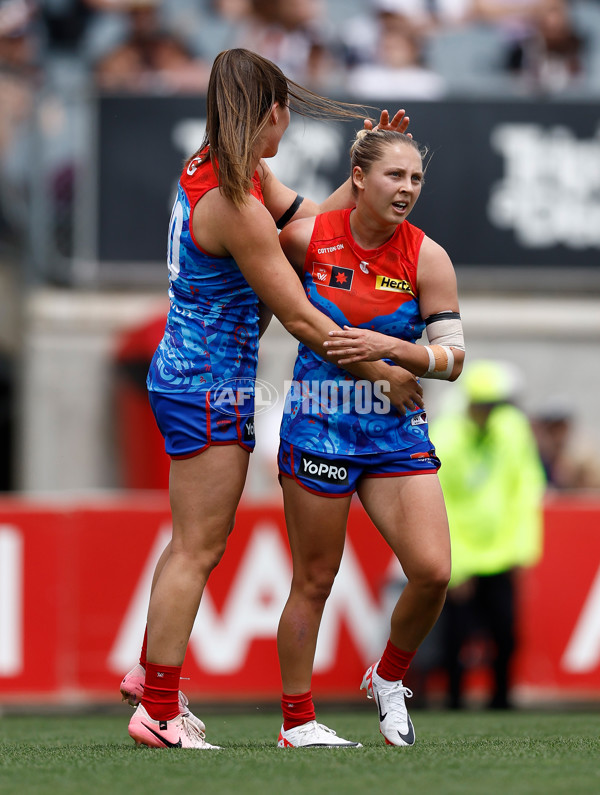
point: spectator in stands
(493, 484)
(232, 10)
(65, 22)
(221, 24)
(297, 37)
(568, 462)
(361, 34)
(397, 71)
(544, 49)
(548, 57)
(151, 58)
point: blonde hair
(242, 89)
(369, 145)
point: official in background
(493, 484)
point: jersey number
(175, 227)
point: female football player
(384, 281)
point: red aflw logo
(332, 275)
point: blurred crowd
(371, 49)
(54, 51)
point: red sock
(297, 709)
(161, 691)
(144, 649)
(394, 663)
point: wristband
(441, 362)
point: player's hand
(357, 345)
(399, 122)
(404, 391)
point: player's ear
(358, 177)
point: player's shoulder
(329, 225)
(432, 255)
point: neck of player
(369, 231)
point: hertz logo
(395, 285)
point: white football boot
(394, 721)
(312, 735)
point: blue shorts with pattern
(193, 421)
(338, 475)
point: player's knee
(318, 584)
(211, 556)
(433, 577)
(201, 559)
(439, 577)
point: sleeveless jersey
(211, 334)
(326, 409)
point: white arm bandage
(444, 332)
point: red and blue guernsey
(326, 409)
(211, 334)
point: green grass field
(468, 752)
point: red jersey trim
(197, 179)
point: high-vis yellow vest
(493, 485)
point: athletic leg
(409, 513)
(316, 529)
(204, 493)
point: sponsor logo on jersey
(330, 249)
(419, 419)
(332, 275)
(193, 165)
(394, 285)
(322, 469)
(248, 432)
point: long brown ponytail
(242, 89)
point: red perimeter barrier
(75, 579)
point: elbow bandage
(444, 332)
